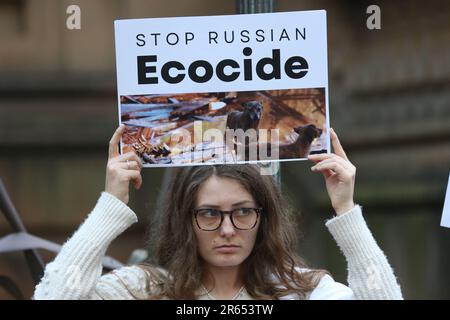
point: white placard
(183, 76)
(445, 220)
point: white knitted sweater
(76, 272)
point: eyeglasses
(241, 218)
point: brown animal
(300, 148)
(247, 119)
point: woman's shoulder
(131, 282)
(329, 289)
(326, 289)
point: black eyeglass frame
(222, 217)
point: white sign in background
(445, 221)
(313, 49)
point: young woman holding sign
(226, 233)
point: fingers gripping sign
(121, 169)
(339, 174)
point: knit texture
(76, 272)
(369, 274)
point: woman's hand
(121, 169)
(339, 175)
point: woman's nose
(227, 229)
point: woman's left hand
(339, 175)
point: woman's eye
(243, 211)
(209, 213)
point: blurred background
(389, 92)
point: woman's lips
(227, 248)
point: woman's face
(226, 246)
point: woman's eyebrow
(242, 202)
(233, 205)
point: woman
(226, 233)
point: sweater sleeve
(369, 274)
(76, 270)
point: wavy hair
(270, 269)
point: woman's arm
(75, 272)
(77, 268)
(369, 274)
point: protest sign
(223, 89)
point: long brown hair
(270, 270)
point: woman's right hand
(121, 169)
